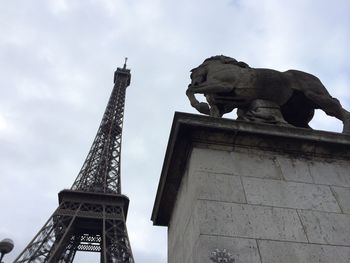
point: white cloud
(59, 6)
(341, 89)
(3, 124)
(29, 89)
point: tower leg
(117, 246)
(43, 243)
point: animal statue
(266, 95)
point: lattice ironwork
(101, 169)
(91, 216)
(83, 227)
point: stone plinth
(254, 193)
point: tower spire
(126, 59)
(91, 215)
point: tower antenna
(126, 59)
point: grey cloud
(56, 68)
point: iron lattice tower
(91, 215)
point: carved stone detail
(261, 95)
(221, 256)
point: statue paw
(346, 128)
(203, 107)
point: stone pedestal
(254, 193)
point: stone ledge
(190, 129)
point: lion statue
(264, 95)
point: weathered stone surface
(296, 170)
(255, 164)
(220, 187)
(236, 163)
(190, 237)
(331, 173)
(326, 228)
(243, 250)
(188, 247)
(236, 220)
(203, 185)
(176, 251)
(288, 252)
(180, 219)
(182, 239)
(343, 197)
(289, 194)
(209, 160)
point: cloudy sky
(57, 59)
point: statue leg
(215, 111)
(214, 108)
(332, 107)
(262, 111)
(202, 107)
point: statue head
(225, 60)
(199, 74)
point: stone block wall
(261, 207)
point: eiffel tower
(91, 215)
